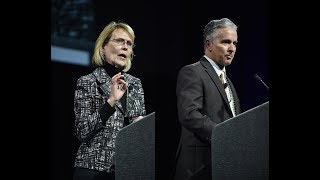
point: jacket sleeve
(88, 116)
(190, 99)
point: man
(205, 100)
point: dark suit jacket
(202, 104)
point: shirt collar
(215, 66)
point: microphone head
(257, 77)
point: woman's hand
(137, 119)
(118, 88)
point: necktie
(228, 91)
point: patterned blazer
(97, 140)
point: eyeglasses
(121, 41)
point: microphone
(259, 79)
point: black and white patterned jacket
(95, 130)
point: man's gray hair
(209, 32)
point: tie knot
(223, 80)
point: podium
(135, 150)
(240, 146)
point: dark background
(168, 36)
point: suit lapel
(104, 85)
(216, 80)
(235, 97)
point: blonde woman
(106, 100)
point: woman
(105, 101)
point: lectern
(135, 150)
(240, 146)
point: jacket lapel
(235, 97)
(104, 85)
(216, 80)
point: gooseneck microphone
(259, 79)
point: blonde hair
(98, 58)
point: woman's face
(119, 48)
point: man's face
(224, 46)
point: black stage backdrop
(168, 36)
